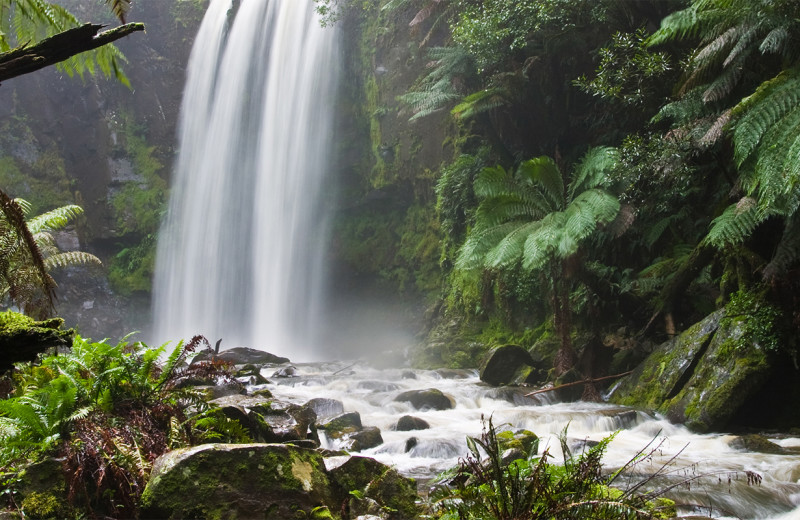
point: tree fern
(479, 102)
(437, 88)
(734, 225)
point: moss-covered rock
(525, 441)
(365, 439)
(267, 419)
(502, 364)
(704, 376)
(664, 372)
(757, 443)
(22, 338)
(370, 479)
(229, 481)
(342, 424)
(42, 491)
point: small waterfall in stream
(240, 256)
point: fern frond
(509, 250)
(734, 226)
(775, 42)
(543, 172)
(56, 219)
(594, 169)
(542, 244)
(479, 102)
(725, 81)
(771, 101)
(479, 243)
(69, 259)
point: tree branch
(60, 47)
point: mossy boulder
(757, 443)
(428, 399)
(22, 338)
(229, 481)
(365, 439)
(43, 491)
(703, 377)
(523, 440)
(374, 480)
(506, 364)
(251, 374)
(342, 424)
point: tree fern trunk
(565, 358)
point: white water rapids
(371, 392)
(240, 256)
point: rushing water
(716, 470)
(240, 256)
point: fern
(479, 102)
(733, 226)
(437, 88)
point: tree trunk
(565, 358)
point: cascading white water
(240, 256)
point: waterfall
(241, 252)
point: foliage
(110, 411)
(450, 68)
(533, 488)
(628, 70)
(32, 20)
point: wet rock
(502, 364)
(703, 377)
(453, 373)
(366, 438)
(568, 394)
(268, 420)
(242, 356)
(284, 372)
(326, 408)
(411, 442)
(428, 399)
(408, 423)
(377, 386)
(270, 481)
(42, 490)
(408, 374)
(217, 391)
(510, 455)
(252, 373)
(395, 494)
(342, 424)
(757, 443)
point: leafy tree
(535, 217)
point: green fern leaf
(70, 258)
(542, 171)
(734, 226)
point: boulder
(395, 494)
(42, 490)
(284, 372)
(368, 437)
(267, 419)
(252, 374)
(342, 424)
(408, 423)
(22, 338)
(502, 365)
(326, 408)
(269, 481)
(703, 377)
(757, 443)
(524, 441)
(242, 356)
(429, 399)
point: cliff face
(94, 142)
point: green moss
(45, 506)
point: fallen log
(576, 383)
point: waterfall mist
(241, 253)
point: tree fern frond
(479, 242)
(725, 81)
(55, 219)
(589, 209)
(479, 102)
(493, 181)
(775, 41)
(391, 5)
(509, 250)
(776, 159)
(771, 101)
(735, 225)
(541, 245)
(594, 169)
(70, 258)
(542, 171)
(677, 26)
(743, 46)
